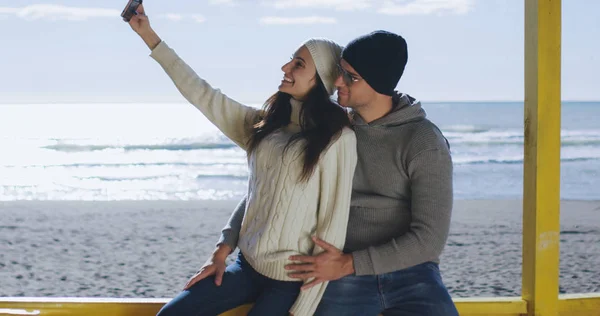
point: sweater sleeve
(337, 172)
(232, 118)
(231, 232)
(430, 174)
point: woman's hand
(213, 266)
(141, 25)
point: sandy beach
(150, 248)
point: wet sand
(150, 248)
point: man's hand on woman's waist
(331, 264)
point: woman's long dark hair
(321, 121)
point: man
(401, 200)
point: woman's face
(299, 74)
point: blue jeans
(416, 291)
(241, 285)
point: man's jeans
(416, 291)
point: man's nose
(339, 82)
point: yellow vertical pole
(541, 189)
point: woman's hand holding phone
(141, 25)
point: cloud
(389, 7)
(426, 7)
(4, 10)
(58, 12)
(173, 17)
(274, 20)
(55, 12)
(198, 18)
(229, 3)
(338, 5)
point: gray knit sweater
(402, 193)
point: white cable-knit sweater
(282, 212)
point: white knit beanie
(326, 55)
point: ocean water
(171, 152)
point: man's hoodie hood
(405, 110)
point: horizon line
(32, 102)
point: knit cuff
(163, 54)
(363, 265)
(228, 239)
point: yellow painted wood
(240, 311)
(541, 192)
(84, 306)
(579, 304)
(491, 305)
(90, 306)
(573, 304)
(149, 307)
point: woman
(301, 157)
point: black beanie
(379, 58)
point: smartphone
(130, 9)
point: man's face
(353, 91)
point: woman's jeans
(241, 285)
